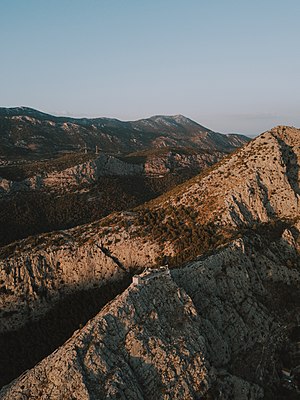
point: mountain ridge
(27, 133)
(196, 333)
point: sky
(231, 65)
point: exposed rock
(107, 165)
(262, 182)
(139, 346)
(32, 281)
(176, 160)
(218, 314)
(77, 188)
(81, 174)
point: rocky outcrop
(262, 182)
(82, 174)
(45, 269)
(237, 292)
(75, 189)
(218, 334)
(175, 161)
(114, 356)
(139, 346)
(87, 173)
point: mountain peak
(179, 118)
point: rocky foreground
(214, 329)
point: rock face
(262, 182)
(42, 163)
(82, 174)
(257, 184)
(139, 346)
(247, 208)
(219, 332)
(75, 189)
(119, 355)
(245, 293)
(33, 281)
(79, 188)
(173, 161)
(28, 133)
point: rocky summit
(222, 323)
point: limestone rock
(139, 346)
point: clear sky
(231, 65)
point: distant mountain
(28, 133)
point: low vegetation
(182, 227)
(29, 213)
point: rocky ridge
(76, 188)
(81, 174)
(262, 182)
(219, 334)
(157, 165)
(118, 355)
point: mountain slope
(113, 355)
(222, 333)
(257, 184)
(138, 346)
(43, 162)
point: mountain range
(28, 133)
(191, 295)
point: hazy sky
(231, 65)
